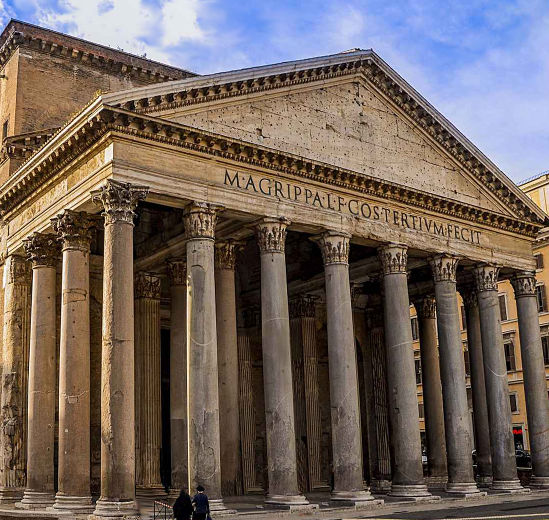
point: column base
(464, 489)
(539, 483)
(508, 486)
(73, 503)
(36, 500)
(412, 492)
(438, 483)
(10, 494)
(105, 508)
(357, 499)
(290, 502)
(484, 482)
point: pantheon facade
(208, 281)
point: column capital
(444, 268)
(177, 271)
(225, 253)
(73, 229)
(334, 246)
(42, 249)
(524, 283)
(147, 285)
(200, 220)
(271, 234)
(426, 307)
(486, 277)
(303, 306)
(119, 200)
(17, 270)
(469, 295)
(394, 258)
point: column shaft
(42, 250)
(535, 386)
(401, 378)
(504, 466)
(457, 426)
(432, 389)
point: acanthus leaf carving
(271, 234)
(42, 249)
(177, 271)
(524, 283)
(225, 254)
(119, 200)
(73, 229)
(486, 277)
(200, 220)
(394, 258)
(334, 246)
(147, 285)
(444, 268)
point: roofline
(528, 180)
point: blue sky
(483, 63)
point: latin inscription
(355, 207)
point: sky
(483, 63)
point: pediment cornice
(54, 157)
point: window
(540, 295)
(539, 260)
(418, 371)
(421, 410)
(467, 363)
(545, 348)
(415, 332)
(514, 403)
(463, 319)
(510, 355)
(5, 128)
(503, 307)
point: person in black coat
(201, 505)
(183, 508)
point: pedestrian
(183, 507)
(201, 505)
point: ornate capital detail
(334, 246)
(426, 307)
(486, 277)
(177, 271)
(303, 306)
(225, 254)
(524, 283)
(147, 285)
(119, 200)
(469, 295)
(444, 268)
(394, 258)
(200, 219)
(17, 270)
(271, 234)
(73, 229)
(42, 249)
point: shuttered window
(503, 307)
(542, 300)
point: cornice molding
(25, 183)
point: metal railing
(162, 511)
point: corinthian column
(432, 389)
(401, 377)
(227, 352)
(14, 361)
(344, 403)
(148, 418)
(43, 252)
(74, 363)
(478, 387)
(177, 274)
(203, 404)
(119, 201)
(535, 389)
(459, 441)
(504, 467)
(277, 366)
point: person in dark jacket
(201, 505)
(183, 507)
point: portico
(208, 234)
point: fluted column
(148, 417)
(504, 466)
(344, 399)
(177, 274)
(14, 360)
(277, 366)
(401, 377)
(457, 426)
(119, 201)
(432, 389)
(43, 251)
(203, 404)
(535, 386)
(74, 491)
(227, 352)
(478, 387)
